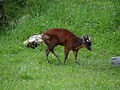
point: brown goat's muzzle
(89, 49)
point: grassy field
(23, 68)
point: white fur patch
(25, 42)
(35, 38)
(87, 40)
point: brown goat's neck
(78, 43)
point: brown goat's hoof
(77, 63)
(74, 62)
(64, 63)
(48, 62)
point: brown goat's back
(62, 35)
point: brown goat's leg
(65, 54)
(51, 50)
(56, 55)
(51, 45)
(47, 53)
(75, 55)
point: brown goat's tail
(45, 37)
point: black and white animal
(63, 37)
(33, 41)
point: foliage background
(24, 68)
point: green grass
(26, 69)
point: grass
(26, 69)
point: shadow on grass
(95, 67)
(26, 77)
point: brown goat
(54, 37)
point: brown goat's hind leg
(47, 53)
(55, 55)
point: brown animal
(54, 37)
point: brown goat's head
(87, 42)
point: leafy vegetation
(25, 68)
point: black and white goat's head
(33, 41)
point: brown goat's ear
(86, 36)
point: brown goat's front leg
(75, 55)
(66, 52)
